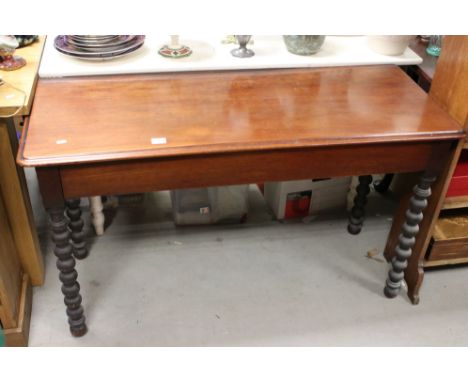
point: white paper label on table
(159, 141)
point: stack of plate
(98, 47)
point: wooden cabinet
(449, 244)
(10, 272)
(21, 264)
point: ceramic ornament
(8, 62)
(25, 40)
(175, 49)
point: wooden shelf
(452, 226)
(19, 335)
(455, 202)
(465, 146)
(439, 263)
(449, 244)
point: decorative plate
(117, 42)
(183, 51)
(128, 44)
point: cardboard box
(195, 206)
(300, 198)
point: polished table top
(147, 116)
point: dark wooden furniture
(125, 134)
(450, 90)
(21, 263)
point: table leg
(356, 217)
(407, 238)
(442, 165)
(383, 185)
(68, 275)
(76, 225)
(97, 215)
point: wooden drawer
(450, 249)
(450, 239)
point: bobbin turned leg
(68, 275)
(407, 238)
(356, 217)
(383, 185)
(76, 225)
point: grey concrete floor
(262, 283)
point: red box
(297, 204)
(459, 183)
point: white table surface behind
(209, 53)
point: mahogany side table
(139, 133)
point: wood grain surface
(10, 273)
(24, 79)
(231, 168)
(455, 201)
(14, 190)
(19, 335)
(127, 117)
(450, 84)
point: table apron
(145, 175)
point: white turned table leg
(97, 216)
